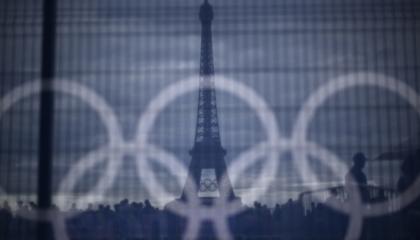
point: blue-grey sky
(128, 51)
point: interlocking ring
(92, 99)
(243, 92)
(222, 209)
(307, 113)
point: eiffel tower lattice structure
(207, 166)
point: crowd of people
(129, 220)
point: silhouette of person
(355, 179)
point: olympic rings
(300, 147)
(208, 185)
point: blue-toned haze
(129, 51)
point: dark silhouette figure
(356, 179)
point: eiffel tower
(207, 165)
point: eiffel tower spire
(207, 129)
(207, 165)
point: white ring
(169, 94)
(306, 115)
(86, 95)
(194, 211)
(330, 89)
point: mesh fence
(114, 58)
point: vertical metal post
(45, 151)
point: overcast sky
(129, 51)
